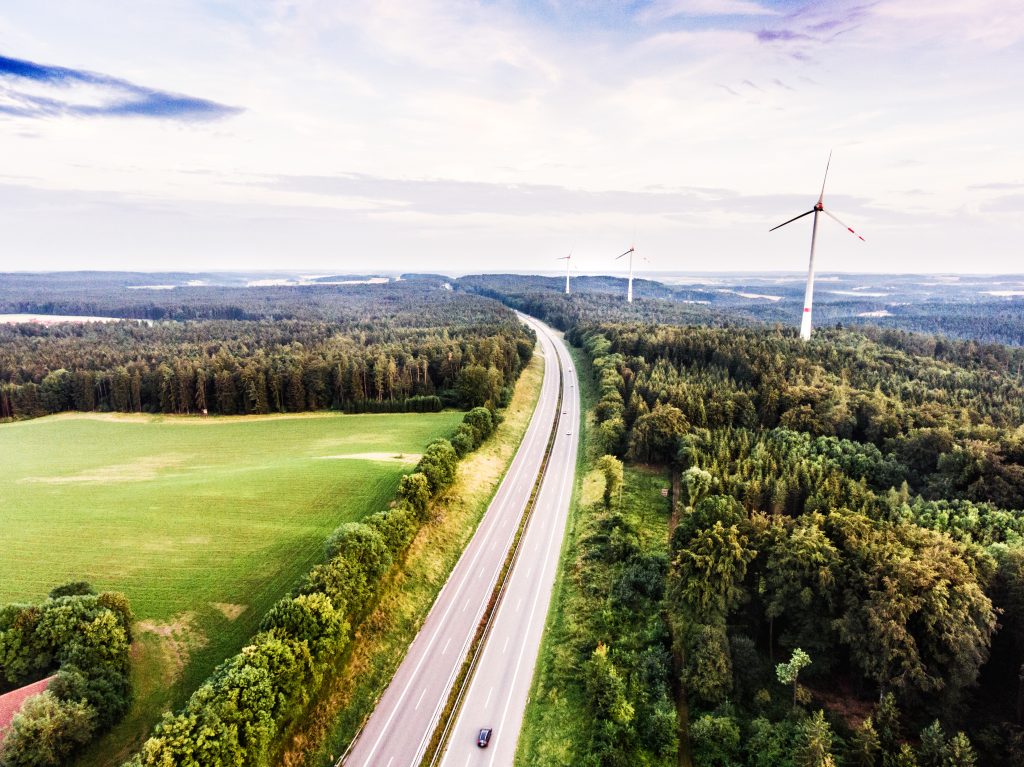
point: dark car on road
(484, 737)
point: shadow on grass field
(203, 523)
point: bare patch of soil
(228, 610)
(137, 471)
(409, 458)
(178, 640)
(840, 699)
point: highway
(497, 695)
(398, 731)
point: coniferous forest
(412, 346)
(845, 579)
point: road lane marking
(519, 604)
(420, 700)
(504, 497)
(488, 701)
(468, 603)
(446, 646)
(504, 489)
(505, 647)
(529, 624)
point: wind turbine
(629, 289)
(567, 259)
(819, 207)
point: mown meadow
(202, 523)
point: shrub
(464, 440)
(47, 731)
(438, 464)
(396, 526)
(310, 618)
(362, 545)
(482, 423)
(73, 589)
(86, 637)
(414, 489)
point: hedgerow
(236, 717)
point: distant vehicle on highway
(484, 737)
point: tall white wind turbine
(629, 289)
(819, 207)
(567, 260)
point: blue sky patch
(28, 89)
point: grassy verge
(557, 723)
(382, 640)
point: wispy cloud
(660, 10)
(783, 35)
(998, 186)
(28, 89)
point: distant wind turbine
(819, 207)
(567, 259)
(629, 289)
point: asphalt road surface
(397, 732)
(498, 693)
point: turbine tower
(567, 259)
(629, 289)
(819, 207)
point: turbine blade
(791, 220)
(624, 254)
(821, 196)
(836, 219)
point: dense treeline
(849, 530)
(950, 423)
(438, 349)
(237, 716)
(417, 302)
(85, 639)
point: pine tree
(814, 743)
(887, 723)
(905, 757)
(864, 745)
(933, 745)
(960, 752)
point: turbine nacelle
(629, 288)
(819, 207)
(568, 260)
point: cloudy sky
(472, 136)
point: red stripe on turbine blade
(807, 308)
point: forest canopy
(407, 346)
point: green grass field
(203, 523)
